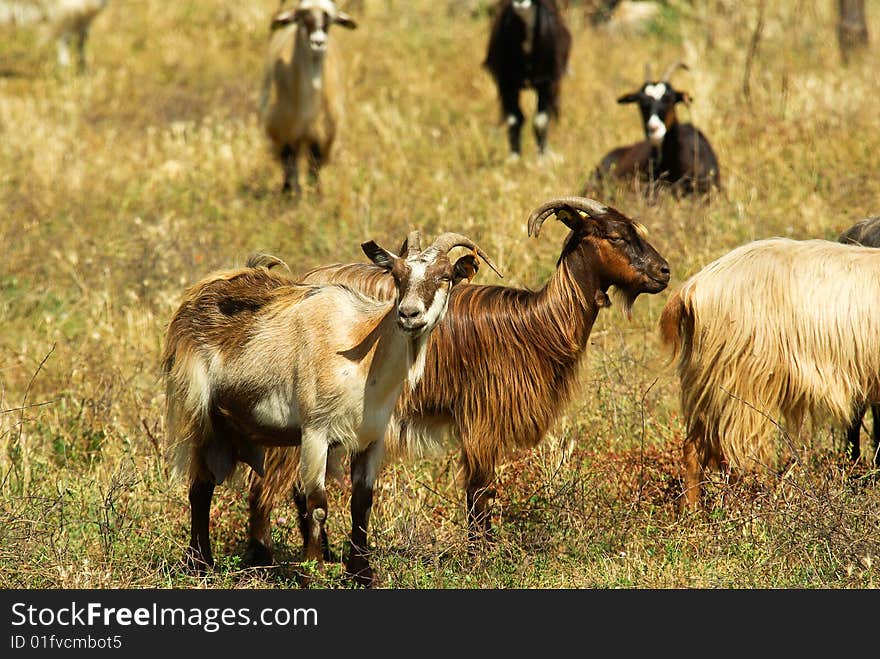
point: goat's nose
(408, 312)
(318, 40)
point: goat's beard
(625, 298)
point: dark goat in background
(672, 153)
(529, 45)
(867, 233)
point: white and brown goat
(252, 360)
(503, 362)
(301, 105)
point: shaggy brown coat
(503, 362)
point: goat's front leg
(198, 556)
(289, 156)
(62, 43)
(541, 121)
(364, 468)
(81, 38)
(299, 498)
(317, 158)
(312, 471)
(514, 117)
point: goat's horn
(446, 241)
(648, 71)
(413, 243)
(672, 68)
(589, 206)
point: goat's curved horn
(672, 68)
(413, 243)
(589, 206)
(446, 241)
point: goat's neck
(309, 64)
(663, 153)
(572, 297)
(528, 18)
(398, 359)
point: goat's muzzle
(658, 278)
(411, 320)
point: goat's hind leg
(875, 418)
(480, 496)
(259, 550)
(198, 555)
(854, 432)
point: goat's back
(866, 232)
(694, 163)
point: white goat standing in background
(67, 20)
(301, 102)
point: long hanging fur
(776, 330)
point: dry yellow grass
(121, 187)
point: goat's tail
(261, 260)
(674, 323)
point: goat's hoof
(513, 158)
(549, 157)
(195, 563)
(257, 555)
(361, 574)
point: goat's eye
(616, 240)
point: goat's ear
(282, 19)
(683, 97)
(345, 20)
(632, 97)
(378, 255)
(570, 217)
(404, 247)
(465, 269)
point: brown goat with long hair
(503, 362)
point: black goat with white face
(529, 45)
(672, 153)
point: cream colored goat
(775, 330)
(253, 360)
(301, 104)
(67, 20)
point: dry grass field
(120, 187)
